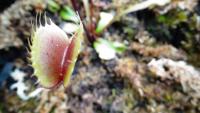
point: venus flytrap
(53, 6)
(94, 27)
(105, 20)
(107, 50)
(68, 14)
(53, 54)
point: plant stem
(90, 36)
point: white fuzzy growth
(21, 86)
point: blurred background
(139, 56)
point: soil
(124, 84)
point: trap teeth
(50, 61)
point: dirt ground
(157, 73)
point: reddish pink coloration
(54, 55)
(53, 50)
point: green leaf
(68, 14)
(105, 20)
(161, 18)
(119, 47)
(53, 6)
(107, 50)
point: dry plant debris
(180, 71)
(188, 5)
(52, 101)
(12, 29)
(132, 70)
(160, 51)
